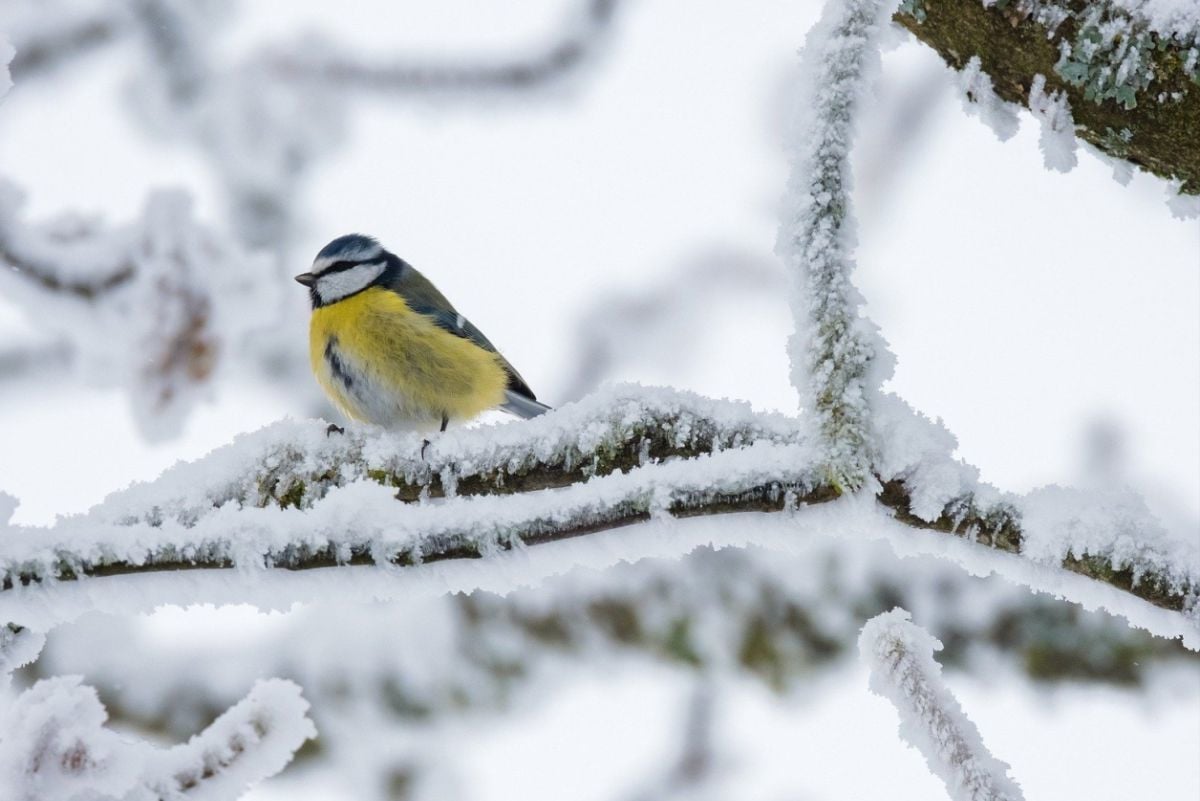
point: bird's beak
(308, 279)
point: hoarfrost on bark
(838, 357)
(1053, 113)
(980, 100)
(54, 746)
(900, 657)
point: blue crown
(352, 247)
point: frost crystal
(54, 747)
(900, 657)
(1179, 19)
(838, 357)
(1183, 207)
(981, 100)
(1053, 113)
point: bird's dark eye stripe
(339, 266)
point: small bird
(389, 349)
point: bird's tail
(522, 406)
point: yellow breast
(383, 363)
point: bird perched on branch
(388, 348)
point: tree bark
(1154, 126)
(644, 455)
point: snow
(1113, 524)
(364, 517)
(1183, 207)
(980, 100)
(271, 459)
(438, 651)
(1053, 113)
(54, 746)
(18, 647)
(251, 741)
(217, 510)
(455, 183)
(151, 306)
(900, 656)
(1179, 19)
(838, 357)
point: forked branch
(289, 497)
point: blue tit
(389, 349)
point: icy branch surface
(54, 746)
(900, 657)
(291, 496)
(252, 741)
(1053, 113)
(980, 99)
(838, 358)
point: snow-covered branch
(1128, 70)
(47, 33)
(777, 617)
(54, 746)
(838, 358)
(292, 497)
(900, 656)
(578, 43)
(152, 305)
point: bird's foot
(334, 427)
(424, 445)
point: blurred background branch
(410, 670)
(581, 38)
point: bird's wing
(424, 298)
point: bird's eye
(338, 266)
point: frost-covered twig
(341, 499)
(900, 656)
(838, 358)
(1129, 70)
(47, 33)
(252, 741)
(345, 68)
(151, 305)
(778, 618)
(54, 747)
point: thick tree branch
(1134, 95)
(614, 459)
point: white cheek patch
(335, 286)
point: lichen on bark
(1155, 108)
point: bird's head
(344, 267)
